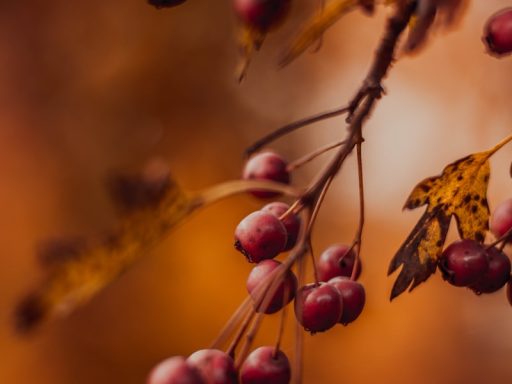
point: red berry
(337, 260)
(262, 367)
(261, 14)
(463, 262)
(509, 290)
(260, 236)
(165, 3)
(175, 370)
(291, 222)
(497, 275)
(501, 220)
(498, 33)
(266, 166)
(318, 307)
(260, 274)
(353, 297)
(215, 366)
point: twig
(294, 126)
(313, 155)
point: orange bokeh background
(89, 87)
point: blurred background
(91, 87)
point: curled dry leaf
(316, 26)
(461, 191)
(151, 203)
(249, 41)
(432, 14)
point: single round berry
(175, 370)
(215, 366)
(291, 222)
(165, 3)
(258, 279)
(463, 262)
(265, 366)
(353, 297)
(501, 220)
(261, 14)
(337, 260)
(266, 166)
(509, 290)
(259, 236)
(498, 33)
(496, 276)
(318, 307)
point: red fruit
(259, 236)
(463, 262)
(318, 307)
(337, 260)
(353, 297)
(266, 166)
(498, 33)
(262, 367)
(501, 220)
(291, 222)
(175, 370)
(497, 275)
(165, 3)
(261, 14)
(215, 366)
(256, 282)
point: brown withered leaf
(460, 191)
(80, 268)
(316, 26)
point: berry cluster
(335, 296)
(481, 268)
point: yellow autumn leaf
(460, 191)
(316, 26)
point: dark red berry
(337, 260)
(498, 33)
(318, 307)
(497, 275)
(353, 297)
(260, 236)
(266, 166)
(165, 3)
(265, 366)
(291, 222)
(258, 278)
(261, 14)
(175, 370)
(463, 262)
(501, 220)
(215, 366)
(509, 290)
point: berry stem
(502, 239)
(313, 155)
(358, 238)
(288, 128)
(282, 323)
(231, 324)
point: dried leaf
(249, 41)
(315, 28)
(460, 191)
(80, 269)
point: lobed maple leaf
(460, 191)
